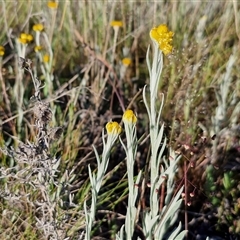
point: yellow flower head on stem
(38, 27)
(113, 128)
(37, 48)
(163, 37)
(126, 61)
(23, 41)
(52, 4)
(25, 38)
(46, 58)
(29, 37)
(129, 117)
(2, 51)
(116, 23)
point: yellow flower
(46, 58)
(2, 51)
(113, 128)
(29, 37)
(38, 27)
(25, 38)
(129, 117)
(116, 23)
(126, 61)
(52, 4)
(37, 48)
(22, 40)
(163, 37)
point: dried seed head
(25, 150)
(42, 113)
(25, 63)
(42, 145)
(26, 153)
(55, 133)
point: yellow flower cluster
(116, 23)
(113, 128)
(38, 27)
(163, 37)
(46, 58)
(52, 4)
(2, 51)
(126, 61)
(25, 38)
(37, 48)
(129, 117)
